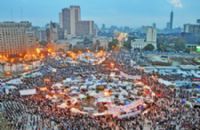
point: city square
(99, 65)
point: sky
(133, 13)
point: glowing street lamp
(112, 65)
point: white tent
(27, 92)
(63, 105)
(9, 87)
(101, 99)
(74, 110)
(15, 81)
(81, 96)
(58, 85)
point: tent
(74, 110)
(9, 87)
(57, 85)
(128, 115)
(81, 96)
(27, 92)
(14, 81)
(63, 105)
(108, 100)
(198, 100)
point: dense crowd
(166, 112)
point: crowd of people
(166, 112)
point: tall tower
(75, 17)
(151, 34)
(171, 20)
(69, 18)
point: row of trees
(179, 44)
(127, 44)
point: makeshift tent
(74, 110)
(81, 96)
(9, 87)
(63, 105)
(128, 115)
(108, 100)
(27, 92)
(14, 81)
(57, 85)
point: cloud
(176, 3)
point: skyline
(133, 13)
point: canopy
(63, 105)
(9, 87)
(59, 85)
(132, 114)
(74, 110)
(15, 81)
(27, 92)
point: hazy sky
(132, 13)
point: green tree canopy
(149, 47)
(180, 44)
(112, 44)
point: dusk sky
(133, 13)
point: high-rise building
(69, 18)
(52, 32)
(198, 21)
(151, 38)
(85, 28)
(70, 22)
(151, 34)
(42, 37)
(192, 28)
(171, 20)
(154, 25)
(16, 38)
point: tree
(149, 47)
(87, 41)
(112, 44)
(180, 44)
(162, 47)
(127, 44)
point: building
(192, 28)
(52, 32)
(151, 38)
(42, 35)
(101, 42)
(198, 21)
(85, 28)
(138, 44)
(169, 25)
(72, 25)
(171, 20)
(69, 17)
(15, 37)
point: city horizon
(126, 16)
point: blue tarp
(198, 100)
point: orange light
(49, 50)
(43, 89)
(112, 65)
(38, 50)
(46, 80)
(26, 68)
(107, 93)
(8, 73)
